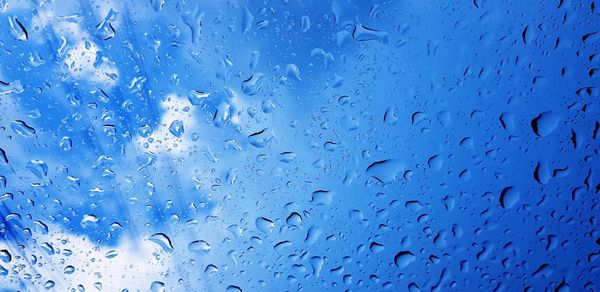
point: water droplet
(292, 71)
(163, 241)
(193, 19)
(305, 24)
(199, 246)
(322, 197)
(40, 227)
(507, 120)
(387, 170)
(545, 123)
(49, 284)
(313, 234)
(376, 247)
(157, 286)
(254, 58)
(221, 117)
(66, 143)
(14, 87)
(197, 97)
(252, 85)
(509, 197)
(404, 258)
(233, 288)
(265, 225)
(17, 29)
(69, 270)
(317, 263)
(105, 29)
(435, 162)
(362, 33)
(3, 157)
(21, 128)
(286, 156)
(157, 5)
(89, 221)
(5, 256)
(542, 172)
(322, 54)
(176, 128)
(444, 118)
(268, 106)
(349, 123)
(247, 20)
(38, 167)
(294, 220)
(261, 139)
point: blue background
(299, 145)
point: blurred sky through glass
(344, 145)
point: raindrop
(199, 246)
(509, 197)
(176, 128)
(404, 258)
(545, 123)
(163, 241)
(17, 29)
(362, 33)
(252, 85)
(21, 128)
(265, 225)
(261, 139)
(38, 167)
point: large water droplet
(17, 29)
(322, 197)
(21, 128)
(176, 128)
(265, 225)
(89, 221)
(197, 97)
(545, 123)
(199, 246)
(261, 139)
(362, 33)
(404, 258)
(509, 197)
(252, 85)
(387, 170)
(313, 234)
(3, 157)
(38, 167)
(163, 241)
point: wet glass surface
(344, 145)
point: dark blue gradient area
(345, 145)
